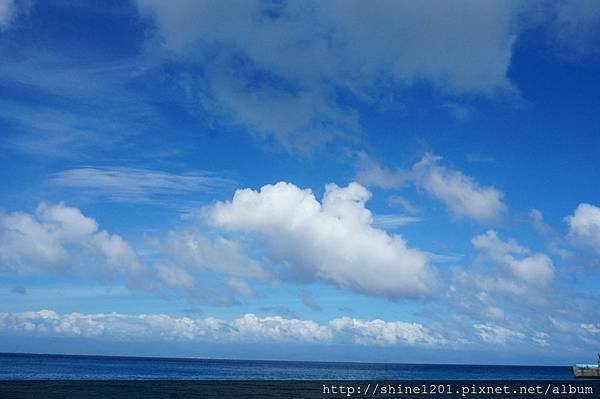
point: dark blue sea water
(68, 367)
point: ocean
(74, 367)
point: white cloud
(218, 254)
(536, 217)
(332, 241)
(175, 277)
(498, 335)
(541, 338)
(379, 332)
(536, 269)
(119, 255)
(283, 311)
(592, 328)
(370, 173)
(462, 194)
(276, 328)
(58, 239)
(27, 243)
(279, 67)
(505, 282)
(555, 242)
(54, 237)
(7, 9)
(584, 226)
(474, 295)
(495, 247)
(510, 311)
(136, 185)
(241, 287)
(486, 285)
(246, 329)
(190, 283)
(205, 268)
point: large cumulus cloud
(332, 241)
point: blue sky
(385, 181)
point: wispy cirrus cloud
(137, 185)
(60, 105)
(391, 221)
